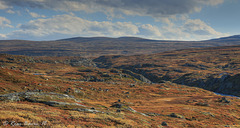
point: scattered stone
(13, 98)
(191, 101)
(78, 91)
(130, 109)
(142, 114)
(194, 100)
(202, 104)
(68, 90)
(123, 76)
(164, 123)
(54, 103)
(176, 116)
(118, 110)
(154, 114)
(224, 100)
(208, 113)
(87, 110)
(13, 67)
(117, 105)
(132, 85)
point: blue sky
(153, 19)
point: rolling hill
(98, 46)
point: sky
(152, 19)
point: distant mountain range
(138, 39)
(98, 46)
(227, 39)
(86, 39)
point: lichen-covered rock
(176, 116)
(40, 97)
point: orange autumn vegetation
(94, 91)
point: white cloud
(10, 11)
(35, 15)
(4, 22)
(149, 31)
(191, 30)
(73, 26)
(3, 5)
(198, 27)
(3, 36)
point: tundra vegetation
(169, 89)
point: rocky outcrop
(222, 83)
(82, 62)
(225, 84)
(105, 61)
(137, 76)
(87, 110)
(40, 97)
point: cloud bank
(154, 8)
(72, 25)
(168, 11)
